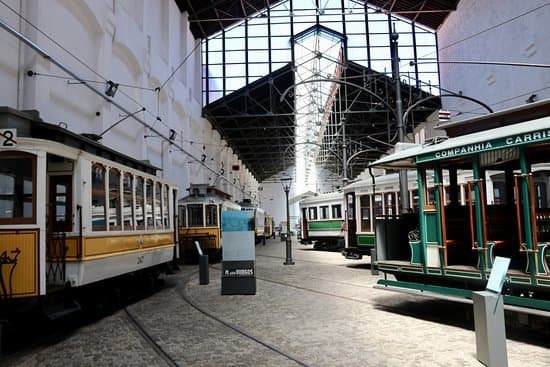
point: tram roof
(29, 124)
(380, 180)
(337, 195)
(504, 117)
(481, 141)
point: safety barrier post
(204, 277)
(373, 262)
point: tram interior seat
(501, 227)
(458, 244)
(392, 236)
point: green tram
(503, 209)
(322, 221)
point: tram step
(62, 311)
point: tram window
(429, 184)
(165, 211)
(389, 204)
(140, 207)
(337, 211)
(158, 205)
(414, 200)
(324, 212)
(378, 208)
(60, 200)
(182, 216)
(498, 195)
(98, 198)
(194, 214)
(127, 207)
(365, 213)
(114, 200)
(17, 172)
(350, 206)
(541, 181)
(211, 215)
(149, 204)
(312, 213)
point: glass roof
(320, 40)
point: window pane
(16, 187)
(149, 203)
(389, 203)
(165, 212)
(211, 215)
(140, 209)
(158, 202)
(114, 200)
(337, 211)
(182, 216)
(194, 214)
(324, 212)
(377, 205)
(128, 208)
(365, 214)
(98, 198)
(312, 213)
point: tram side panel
(323, 221)
(39, 258)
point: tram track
(180, 289)
(413, 309)
(142, 331)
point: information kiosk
(238, 264)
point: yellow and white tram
(200, 220)
(74, 212)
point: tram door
(60, 209)
(351, 220)
(305, 229)
(60, 221)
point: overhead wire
(43, 53)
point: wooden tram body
(502, 209)
(200, 220)
(74, 212)
(322, 220)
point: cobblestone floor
(322, 311)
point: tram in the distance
(322, 220)
(503, 209)
(200, 221)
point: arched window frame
(99, 184)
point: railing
(56, 256)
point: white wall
(495, 30)
(136, 43)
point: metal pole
(288, 240)
(403, 183)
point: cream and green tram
(322, 220)
(74, 212)
(368, 200)
(200, 221)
